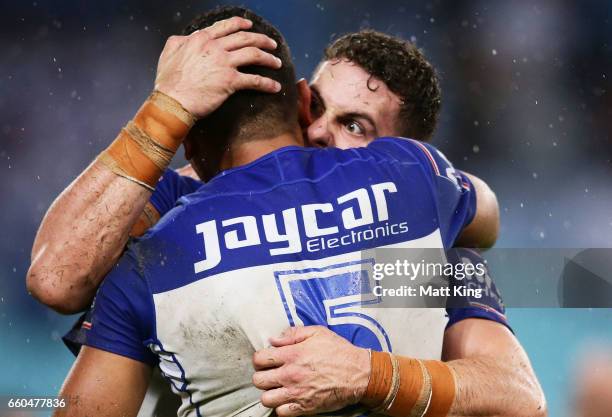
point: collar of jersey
(226, 179)
(230, 181)
(261, 159)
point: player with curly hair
(146, 313)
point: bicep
(483, 230)
(472, 338)
(103, 384)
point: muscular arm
(492, 371)
(312, 370)
(81, 237)
(482, 232)
(102, 384)
(86, 228)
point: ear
(188, 148)
(304, 99)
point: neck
(242, 153)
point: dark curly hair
(405, 71)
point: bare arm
(102, 384)
(482, 232)
(312, 370)
(492, 372)
(86, 228)
(81, 237)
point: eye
(354, 128)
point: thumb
(294, 335)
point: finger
(256, 82)
(173, 44)
(188, 171)
(267, 358)
(243, 39)
(294, 335)
(227, 26)
(290, 410)
(175, 41)
(251, 55)
(268, 379)
(276, 397)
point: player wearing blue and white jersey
(121, 371)
(268, 245)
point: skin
(101, 390)
(129, 378)
(349, 109)
(99, 208)
(312, 370)
(345, 114)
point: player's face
(349, 107)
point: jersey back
(277, 243)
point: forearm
(86, 228)
(492, 371)
(480, 391)
(82, 235)
(461, 388)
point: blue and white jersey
(273, 244)
(170, 187)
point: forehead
(347, 86)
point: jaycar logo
(291, 240)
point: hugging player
(207, 383)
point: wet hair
(249, 114)
(405, 71)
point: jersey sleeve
(461, 306)
(454, 193)
(170, 187)
(75, 337)
(122, 314)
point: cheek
(343, 140)
(318, 131)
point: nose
(319, 135)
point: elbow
(46, 285)
(541, 408)
(535, 400)
(543, 411)
(537, 408)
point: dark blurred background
(526, 105)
